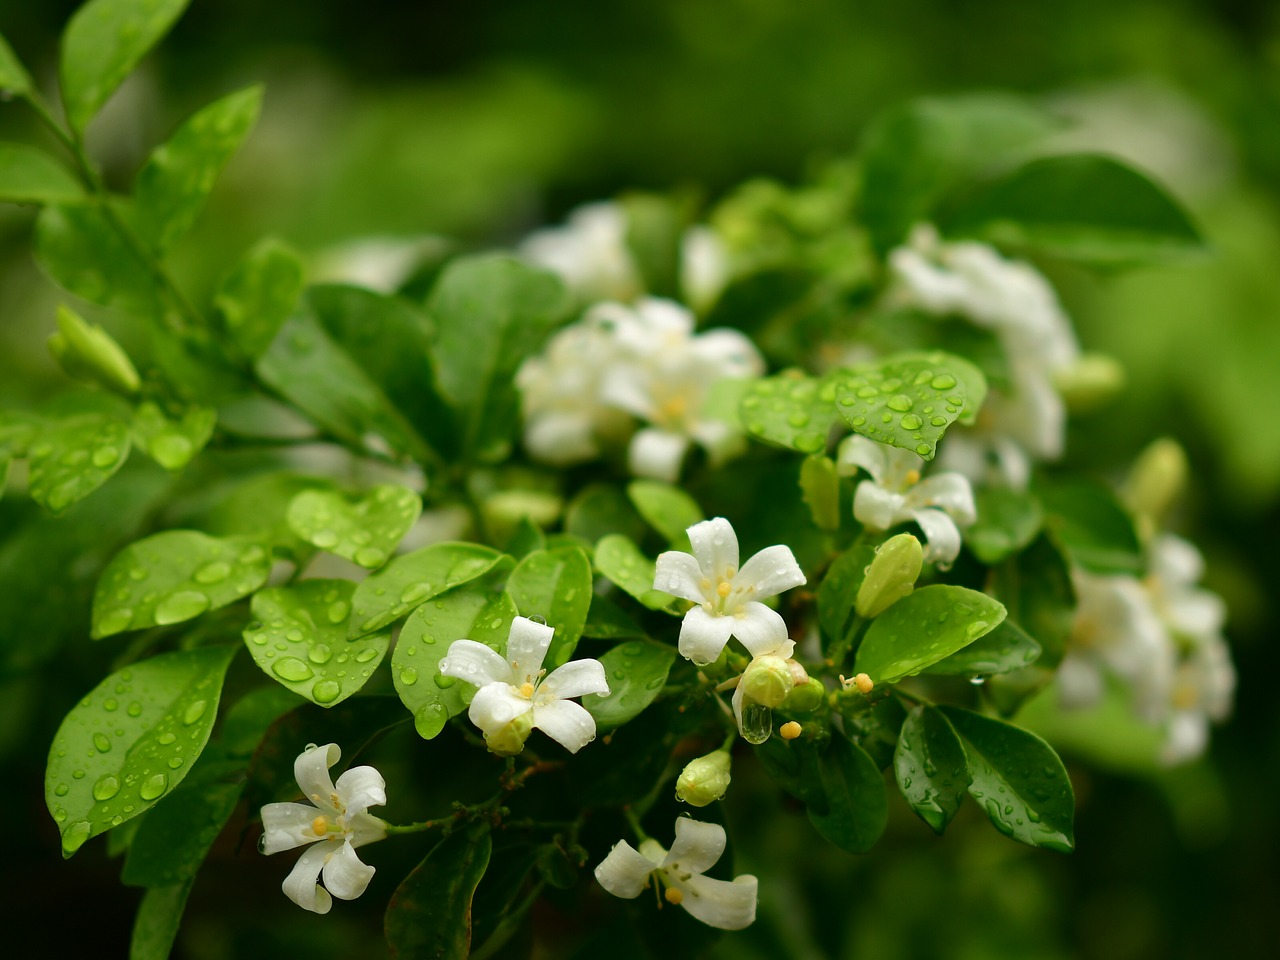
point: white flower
(336, 823)
(704, 267)
(1187, 609)
(728, 598)
(1203, 689)
(514, 695)
(895, 494)
(625, 872)
(589, 253)
(384, 264)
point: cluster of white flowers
(642, 361)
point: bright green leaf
(556, 586)
(430, 913)
(259, 293)
(174, 576)
(607, 621)
(172, 442)
(1036, 587)
(929, 765)
(28, 175)
(838, 591)
(1092, 527)
(1006, 648)
(74, 457)
(791, 411)
(667, 509)
(600, 509)
(132, 740)
(366, 532)
(14, 78)
(856, 805)
(636, 671)
(299, 639)
(1007, 521)
(80, 250)
(87, 352)
(413, 579)
(156, 925)
(624, 564)
(923, 628)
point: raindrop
(115, 621)
(324, 539)
(106, 787)
(135, 709)
(910, 421)
(365, 655)
(320, 653)
(60, 790)
(325, 691)
(214, 572)
(291, 669)
(338, 611)
(101, 742)
(370, 557)
(409, 676)
(166, 738)
(900, 402)
(194, 712)
(153, 786)
(181, 606)
(443, 682)
(110, 705)
(74, 836)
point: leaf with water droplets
(132, 740)
(430, 913)
(1007, 521)
(366, 532)
(623, 563)
(554, 585)
(174, 576)
(259, 293)
(929, 765)
(667, 509)
(1018, 779)
(924, 627)
(299, 639)
(172, 441)
(473, 612)
(1006, 648)
(414, 578)
(909, 400)
(636, 672)
(855, 807)
(791, 410)
(608, 621)
(74, 457)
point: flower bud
(1092, 381)
(767, 681)
(704, 779)
(790, 730)
(509, 739)
(820, 489)
(891, 576)
(805, 697)
(89, 353)
(1156, 480)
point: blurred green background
(482, 121)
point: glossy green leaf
(1089, 523)
(172, 187)
(14, 78)
(623, 563)
(80, 250)
(556, 586)
(607, 621)
(247, 720)
(1007, 521)
(856, 805)
(257, 507)
(909, 400)
(473, 612)
(430, 913)
(366, 532)
(74, 457)
(28, 175)
(174, 576)
(132, 740)
(259, 293)
(793, 765)
(1037, 589)
(299, 639)
(413, 579)
(838, 591)
(636, 671)
(490, 313)
(930, 768)
(1018, 780)
(601, 509)
(791, 411)
(1006, 648)
(526, 538)
(103, 42)
(172, 441)
(155, 928)
(1085, 207)
(667, 509)
(928, 625)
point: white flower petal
(625, 871)
(561, 437)
(574, 679)
(715, 545)
(946, 491)
(361, 788)
(345, 875)
(300, 885)
(728, 352)
(697, 846)
(363, 828)
(475, 663)
(311, 770)
(703, 636)
(770, 572)
(720, 903)
(1187, 738)
(1079, 682)
(762, 631)
(495, 705)
(862, 453)
(739, 694)
(942, 536)
(565, 722)
(678, 574)
(657, 454)
(287, 825)
(527, 645)
(875, 507)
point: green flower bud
(820, 488)
(805, 697)
(891, 576)
(767, 681)
(509, 740)
(704, 779)
(1090, 382)
(1156, 481)
(504, 510)
(89, 353)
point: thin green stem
(420, 827)
(633, 820)
(508, 925)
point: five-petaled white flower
(515, 696)
(728, 598)
(896, 494)
(336, 824)
(729, 905)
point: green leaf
(1036, 587)
(259, 293)
(172, 442)
(929, 764)
(909, 400)
(856, 804)
(655, 227)
(172, 187)
(473, 612)
(1006, 648)
(1092, 527)
(174, 576)
(924, 627)
(667, 509)
(1018, 780)
(28, 175)
(637, 671)
(793, 765)
(366, 532)
(918, 152)
(599, 510)
(103, 42)
(156, 925)
(608, 621)
(257, 507)
(249, 718)
(1008, 520)
(1085, 207)
(430, 913)
(413, 579)
(81, 251)
(74, 457)
(132, 740)
(623, 563)
(526, 538)
(839, 589)
(299, 639)
(791, 411)
(490, 312)
(555, 585)
(14, 78)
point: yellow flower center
(526, 690)
(673, 895)
(320, 826)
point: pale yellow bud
(88, 352)
(509, 740)
(891, 576)
(767, 681)
(704, 779)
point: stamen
(913, 477)
(526, 690)
(724, 589)
(320, 826)
(674, 895)
(790, 730)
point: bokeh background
(480, 121)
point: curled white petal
(703, 636)
(697, 846)
(678, 574)
(300, 885)
(946, 491)
(361, 788)
(345, 875)
(574, 679)
(724, 904)
(527, 644)
(770, 572)
(364, 828)
(566, 722)
(495, 705)
(287, 825)
(311, 770)
(475, 663)
(942, 536)
(625, 871)
(862, 453)
(761, 630)
(715, 546)
(875, 507)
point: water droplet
(61, 790)
(939, 421)
(371, 557)
(101, 742)
(166, 738)
(105, 456)
(291, 669)
(409, 676)
(153, 786)
(214, 572)
(106, 787)
(74, 836)
(757, 723)
(324, 539)
(415, 592)
(443, 682)
(180, 606)
(175, 763)
(135, 709)
(325, 691)
(320, 653)
(115, 621)
(294, 636)
(910, 421)
(900, 402)
(365, 655)
(110, 705)
(943, 381)
(252, 555)
(338, 611)
(923, 449)
(194, 712)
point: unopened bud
(88, 352)
(790, 730)
(504, 510)
(1092, 381)
(704, 779)
(1156, 480)
(767, 681)
(509, 739)
(891, 576)
(820, 489)
(805, 697)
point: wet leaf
(169, 441)
(791, 411)
(1008, 520)
(636, 671)
(156, 925)
(430, 913)
(1008, 647)
(74, 457)
(667, 509)
(366, 532)
(556, 586)
(1092, 527)
(929, 765)
(856, 804)
(259, 293)
(623, 563)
